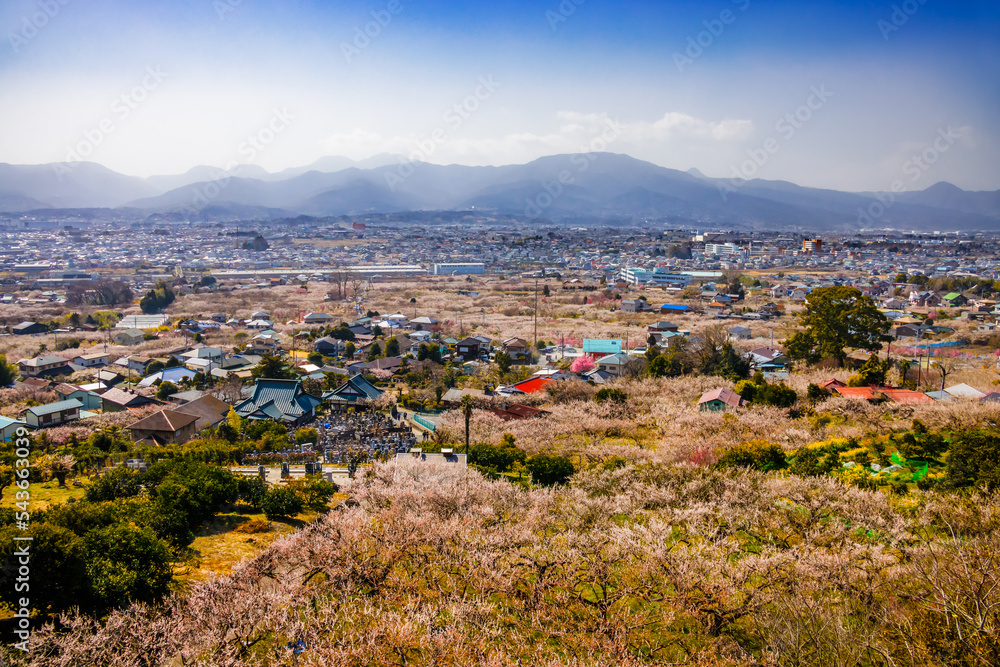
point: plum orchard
(649, 564)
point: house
(672, 308)
(53, 414)
(718, 400)
(135, 363)
(908, 331)
(279, 400)
(109, 378)
(391, 364)
(260, 315)
(615, 364)
(767, 360)
(472, 348)
(166, 427)
(965, 391)
(9, 427)
(396, 320)
(221, 318)
(740, 333)
(203, 366)
(265, 344)
(172, 375)
(28, 328)
(92, 360)
(259, 325)
(88, 399)
(453, 397)
(954, 300)
(209, 353)
(636, 306)
(128, 337)
(518, 412)
(661, 327)
(925, 299)
(424, 324)
(330, 347)
(517, 348)
(598, 347)
(353, 393)
(318, 318)
(47, 365)
(119, 400)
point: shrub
(611, 394)
(119, 483)
(550, 470)
(281, 502)
(757, 454)
(499, 458)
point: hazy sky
(828, 94)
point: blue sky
(728, 86)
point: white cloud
(575, 132)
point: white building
(459, 268)
(659, 277)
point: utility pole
(536, 310)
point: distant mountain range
(561, 188)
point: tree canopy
(838, 319)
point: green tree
(467, 404)
(872, 373)
(374, 352)
(671, 363)
(350, 349)
(166, 390)
(57, 555)
(8, 372)
(610, 394)
(504, 362)
(838, 319)
(251, 490)
(273, 368)
(119, 483)
(974, 459)
(392, 347)
(281, 502)
(757, 454)
(550, 470)
(126, 564)
(157, 298)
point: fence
(426, 423)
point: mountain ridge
(555, 187)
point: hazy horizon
(848, 96)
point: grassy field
(232, 537)
(43, 495)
